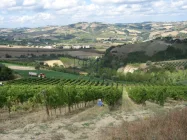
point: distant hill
(150, 48)
(95, 32)
(160, 49)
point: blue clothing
(100, 103)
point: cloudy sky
(34, 13)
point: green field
(54, 74)
(50, 74)
(10, 64)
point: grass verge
(169, 127)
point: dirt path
(127, 103)
(131, 111)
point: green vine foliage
(56, 96)
(157, 94)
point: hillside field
(49, 74)
(7, 52)
(148, 96)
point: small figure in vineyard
(144, 98)
(100, 103)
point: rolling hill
(92, 33)
(150, 48)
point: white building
(77, 47)
(87, 47)
(48, 47)
(66, 47)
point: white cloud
(29, 2)
(7, 3)
(80, 10)
(61, 4)
(115, 12)
(184, 7)
(1, 19)
(42, 11)
(44, 16)
(120, 1)
(178, 3)
(39, 5)
(15, 8)
(168, 8)
(159, 4)
(35, 18)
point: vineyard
(173, 63)
(80, 82)
(157, 94)
(62, 95)
(53, 81)
(56, 93)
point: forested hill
(156, 50)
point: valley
(53, 93)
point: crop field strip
(80, 82)
(173, 63)
(50, 81)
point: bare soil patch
(53, 62)
(127, 69)
(21, 68)
(173, 33)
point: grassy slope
(49, 74)
(148, 47)
(171, 126)
(70, 62)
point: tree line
(5, 73)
